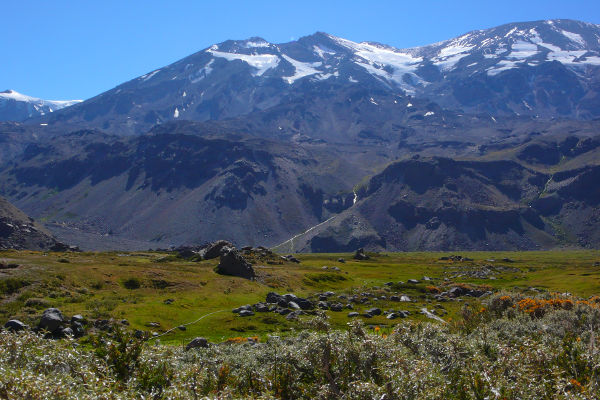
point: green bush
(12, 285)
(132, 283)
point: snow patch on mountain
(202, 73)
(261, 62)
(52, 105)
(574, 37)
(302, 69)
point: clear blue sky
(61, 49)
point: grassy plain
(103, 285)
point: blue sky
(76, 49)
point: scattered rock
(14, 325)
(282, 311)
(374, 311)
(51, 320)
(181, 328)
(78, 330)
(360, 254)
(246, 313)
(455, 258)
(78, 318)
(341, 260)
(336, 307)
(66, 332)
(413, 281)
(233, 263)
(291, 258)
(353, 314)
(198, 342)
(323, 305)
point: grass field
(105, 285)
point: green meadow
(135, 287)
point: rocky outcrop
(20, 232)
(233, 263)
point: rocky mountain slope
(541, 69)
(548, 199)
(20, 232)
(335, 143)
(15, 106)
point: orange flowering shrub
(239, 339)
(433, 289)
(538, 307)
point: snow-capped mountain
(540, 69)
(15, 106)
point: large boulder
(233, 263)
(51, 320)
(213, 250)
(361, 255)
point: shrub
(132, 283)
(12, 285)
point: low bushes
(497, 351)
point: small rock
(353, 314)
(14, 325)
(198, 342)
(293, 305)
(78, 329)
(168, 301)
(374, 311)
(246, 313)
(78, 318)
(336, 307)
(283, 311)
(181, 328)
(341, 260)
(66, 332)
(323, 305)
(413, 281)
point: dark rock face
(233, 263)
(443, 204)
